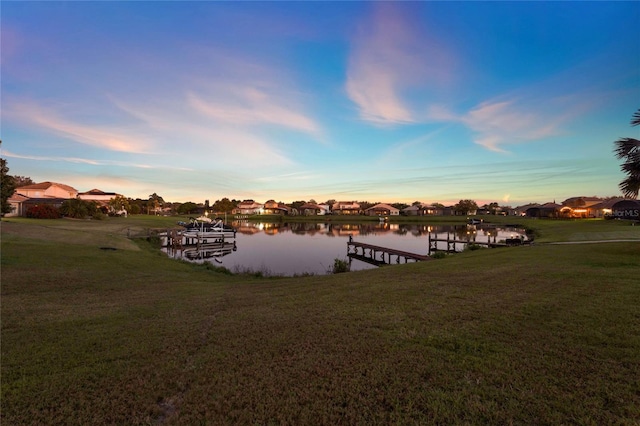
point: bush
(340, 265)
(439, 255)
(43, 211)
(472, 247)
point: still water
(288, 249)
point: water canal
(289, 249)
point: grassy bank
(546, 334)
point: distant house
(547, 210)
(272, 207)
(522, 210)
(248, 207)
(411, 211)
(580, 207)
(605, 208)
(423, 210)
(47, 190)
(311, 209)
(382, 210)
(97, 195)
(346, 208)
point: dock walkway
(378, 255)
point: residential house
(98, 196)
(544, 211)
(522, 210)
(18, 205)
(346, 208)
(580, 207)
(47, 190)
(272, 207)
(605, 208)
(311, 209)
(423, 210)
(248, 207)
(412, 211)
(28, 196)
(382, 210)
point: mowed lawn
(542, 334)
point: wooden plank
(387, 250)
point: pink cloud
(51, 121)
(391, 54)
(251, 106)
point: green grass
(547, 334)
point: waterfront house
(18, 205)
(248, 207)
(272, 207)
(580, 207)
(382, 210)
(28, 196)
(47, 190)
(98, 196)
(546, 210)
(311, 209)
(346, 208)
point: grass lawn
(543, 334)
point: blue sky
(513, 102)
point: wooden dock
(451, 242)
(379, 256)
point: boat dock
(451, 242)
(379, 256)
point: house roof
(18, 198)
(310, 206)
(606, 204)
(550, 206)
(47, 185)
(383, 206)
(97, 192)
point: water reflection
(288, 249)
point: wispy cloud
(520, 118)
(391, 54)
(250, 106)
(93, 162)
(105, 137)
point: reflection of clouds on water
(303, 248)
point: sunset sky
(513, 102)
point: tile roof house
(272, 207)
(311, 209)
(97, 195)
(28, 196)
(382, 210)
(18, 206)
(346, 207)
(248, 207)
(47, 190)
(544, 210)
(580, 207)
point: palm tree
(628, 149)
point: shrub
(43, 211)
(439, 255)
(472, 247)
(340, 265)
